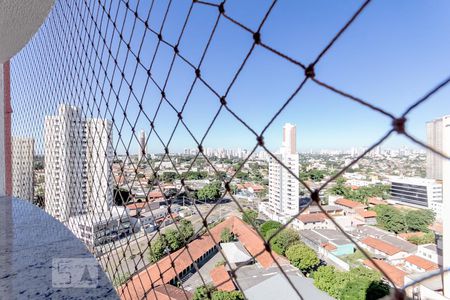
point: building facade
(78, 161)
(142, 148)
(436, 138)
(283, 186)
(418, 192)
(22, 167)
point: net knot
(399, 124)
(222, 8)
(197, 72)
(315, 196)
(223, 101)
(309, 71)
(257, 38)
(200, 148)
(260, 140)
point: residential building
(417, 192)
(78, 164)
(382, 249)
(395, 274)
(333, 241)
(418, 264)
(22, 167)
(283, 186)
(349, 207)
(64, 143)
(429, 252)
(437, 134)
(142, 145)
(312, 221)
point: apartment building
(22, 167)
(78, 160)
(283, 186)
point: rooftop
(381, 245)
(422, 263)
(312, 218)
(349, 203)
(305, 286)
(221, 279)
(397, 275)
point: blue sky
(395, 52)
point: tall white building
(78, 160)
(283, 186)
(435, 139)
(142, 149)
(22, 167)
(99, 159)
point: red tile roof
(168, 292)
(381, 245)
(329, 247)
(349, 203)
(367, 213)
(396, 275)
(163, 272)
(312, 218)
(408, 235)
(422, 263)
(221, 279)
(376, 201)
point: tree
(209, 292)
(283, 240)
(427, 238)
(325, 279)
(249, 216)
(158, 249)
(226, 235)
(203, 292)
(302, 257)
(210, 191)
(390, 218)
(120, 279)
(169, 176)
(268, 225)
(186, 230)
(121, 196)
(419, 220)
(224, 295)
(174, 240)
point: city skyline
(325, 119)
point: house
(332, 210)
(367, 217)
(326, 241)
(312, 221)
(428, 252)
(418, 264)
(349, 206)
(395, 274)
(373, 201)
(381, 248)
(222, 279)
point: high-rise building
(78, 160)
(22, 167)
(99, 159)
(283, 186)
(435, 139)
(142, 148)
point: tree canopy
(249, 216)
(226, 235)
(283, 240)
(209, 292)
(357, 284)
(302, 257)
(396, 220)
(210, 191)
(268, 225)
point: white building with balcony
(78, 160)
(283, 186)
